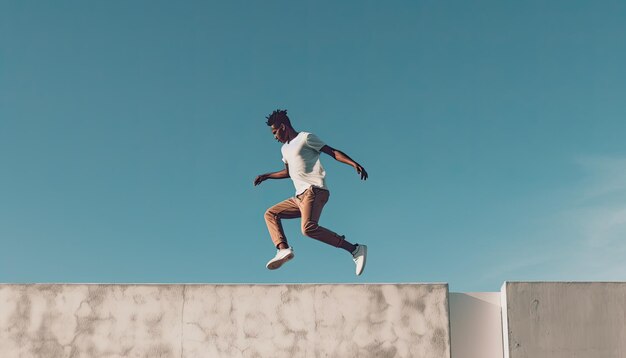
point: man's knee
(269, 215)
(309, 228)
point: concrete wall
(475, 325)
(564, 319)
(539, 320)
(404, 320)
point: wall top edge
(220, 284)
(562, 282)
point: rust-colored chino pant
(307, 206)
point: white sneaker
(359, 256)
(281, 257)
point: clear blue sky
(493, 132)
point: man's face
(279, 132)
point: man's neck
(291, 134)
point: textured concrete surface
(389, 320)
(564, 319)
(476, 325)
(90, 321)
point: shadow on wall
(475, 325)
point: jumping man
(301, 155)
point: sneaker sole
(278, 263)
(364, 261)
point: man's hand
(361, 170)
(281, 174)
(259, 179)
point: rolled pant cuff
(276, 243)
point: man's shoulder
(303, 136)
(314, 141)
(307, 135)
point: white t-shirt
(302, 155)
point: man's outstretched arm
(281, 174)
(344, 158)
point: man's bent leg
(287, 209)
(311, 203)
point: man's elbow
(329, 151)
(337, 154)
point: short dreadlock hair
(278, 117)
